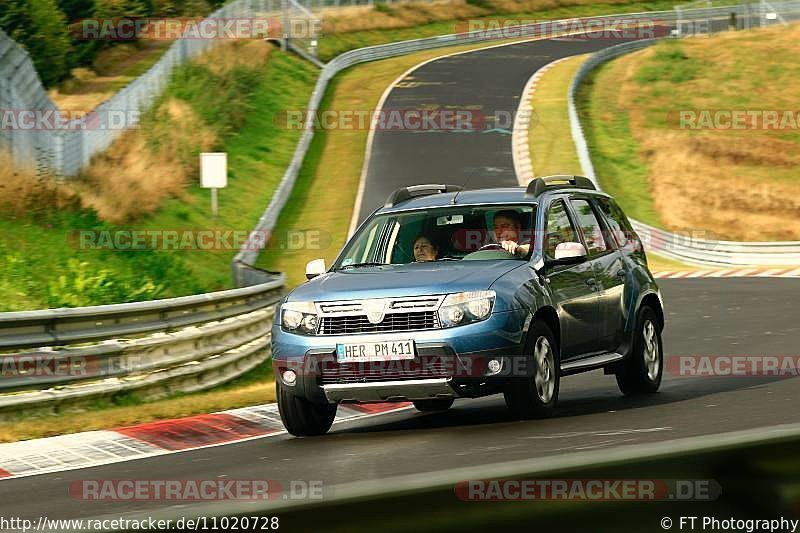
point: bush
(39, 26)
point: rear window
(620, 228)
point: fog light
(289, 377)
(494, 366)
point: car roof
(495, 196)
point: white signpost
(213, 174)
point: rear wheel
(303, 418)
(641, 371)
(434, 404)
(536, 396)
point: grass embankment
(550, 138)
(349, 28)
(721, 182)
(147, 180)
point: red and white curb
(730, 273)
(94, 448)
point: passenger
(507, 228)
(424, 249)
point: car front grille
(403, 321)
(422, 367)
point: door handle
(621, 273)
(591, 282)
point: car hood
(404, 280)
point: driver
(507, 225)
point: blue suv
(445, 293)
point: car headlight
(299, 317)
(466, 307)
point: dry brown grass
(244, 53)
(131, 178)
(734, 184)
(416, 13)
(21, 188)
(149, 164)
(113, 69)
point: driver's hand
(509, 246)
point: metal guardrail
(252, 247)
(53, 356)
(686, 248)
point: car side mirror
(314, 268)
(569, 253)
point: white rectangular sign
(213, 170)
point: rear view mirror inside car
(450, 219)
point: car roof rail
(415, 191)
(559, 181)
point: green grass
(552, 149)
(40, 247)
(619, 167)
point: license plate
(375, 351)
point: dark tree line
(43, 27)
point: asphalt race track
(707, 317)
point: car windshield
(442, 234)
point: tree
(41, 27)
(76, 10)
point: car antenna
(463, 187)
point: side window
(621, 229)
(590, 226)
(559, 228)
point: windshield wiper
(367, 264)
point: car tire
(536, 396)
(302, 417)
(642, 370)
(432, 405)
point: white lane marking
(599, 433)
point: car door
(609, 270)
(572, 286)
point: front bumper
(391, 391)
(450, 362)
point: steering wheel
(492, 246)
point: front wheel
(434, 404)
(303, 418)
(641, 371)
(536, 396)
